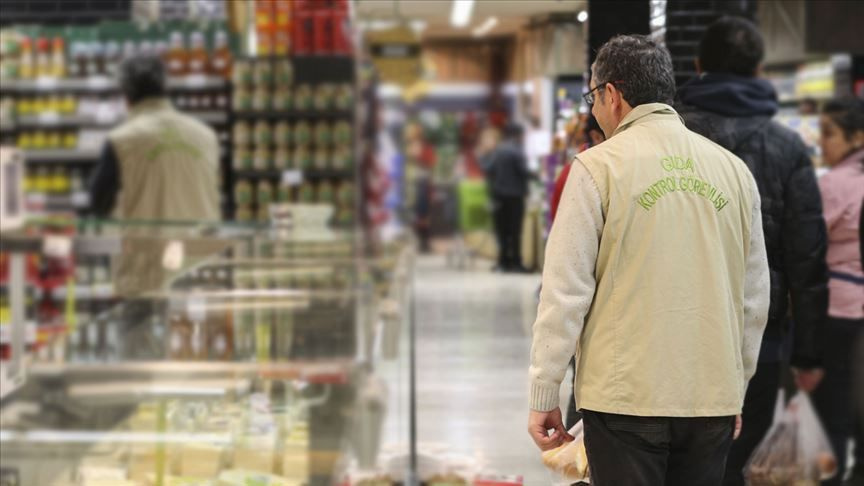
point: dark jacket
(507, 170)
(737, 114)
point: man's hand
(539, 424)
(808, 380)
(739, 422)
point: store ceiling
(511, 14)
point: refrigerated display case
(238, 355)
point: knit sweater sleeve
(757, 293)
(568, 285)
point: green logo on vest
(685, 184)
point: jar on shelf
(342, 159)
(262, 158)
(306, 193)
(283, 99)
(281, 158)
(264, 193)
(263, 77)
(321, 159)
(242, 99)
(344, 98)
(302, 133)
(343, 134)
(323, 98)
(284, 74)
(262, 100)
(323, 134)
(242, 74)
(303, 98)
(285, 193)
(263, 134)
(242, 159)
(243, 193)
(242, 134)
(282, 134)
(302, 158)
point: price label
(80, 199)
(292, 177)
(195, 81)
(50, 118)
(97, 83)
(57, 246)
(173, 256)
(46, 83)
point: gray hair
(142, 77)
(639, 67)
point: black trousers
(508, 215)
(653, 451)
(833, 399)
(758, 414)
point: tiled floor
(473, 343)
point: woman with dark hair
(842, 141)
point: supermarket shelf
(294, 115)
(77, 200)
(54, 120)
(103, 84)
(86, 292)
(293, 173)
(61, 156)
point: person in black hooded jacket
(728, 104)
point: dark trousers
(833, 398)
(655, 451)
(508, 215)
(758, 414)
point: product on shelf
(342, 134)
(243, 193)
(285, 193)
(322, 158)
(197, 57)
(282, 99)
(262, 158)
(303, 98)
(281, 158)
(243, 75)
(342, 158)
(324, 97)
(263, 133)
(263, 73)
(302, 158)
(306, 193)
(220, 61)
(242, 159)
(282, 134)
(177, 59)
(264, 194)
(326, 193)
(344, 97)
(262, 99)
(284, 73)
(302, 134)
(323, 134)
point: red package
(341, 34)
(323, 32)
(304, 28)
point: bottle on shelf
(97, 51)
(220, 62)
(112, 58)
(43, 58)
(27, 65)
(129, 49)
(197, 56)
(58, 58)
(78, 63)
(177, 58)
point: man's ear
(612, 94)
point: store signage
(396, 55)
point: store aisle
(473, 343)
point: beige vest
(169, 170)
(169, 165)
(664, 332)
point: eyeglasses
(589, 96)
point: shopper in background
(842, 127)
(730, 105)
(659, 234)
(507, 174)
(593, 135)
(160, 164)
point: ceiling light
(582, 16)
(460, 16)
(486, 26)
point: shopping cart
(475, 224)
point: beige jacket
(169, 169)
(655, 278)
(169, 165)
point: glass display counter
(163, 354)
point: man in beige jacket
(656, 280)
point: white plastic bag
(795, 451)
(568, 464)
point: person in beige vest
(656, 280)
(159, 166)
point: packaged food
(322, 159)
(244, 214)
(263, 73)
(285, 193)
(302, 158)
(262, 158)
(326, 193)
(343, 134)
(342, 159)
(344, 98)
(53, 140)
(242, 74)
(262, 99)
(243, 193)
(282, 134)
(264, 213)
(284, 73)
(243, 159)
(345, 217)
(220, 61)
(345, 194)
(197, 57)
(178, 58)
(323, 31)
(281, 158)
(242, 134)
(569, 463)
(263, 134)
(306, 193)
(282, 99)
(302, 133)
(303, 98)
(242, 99)
(281, 42)
(324, 97)
(264, 194)
(323, 134)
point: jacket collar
(149, 105)
(645, 113)
(851, 160)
